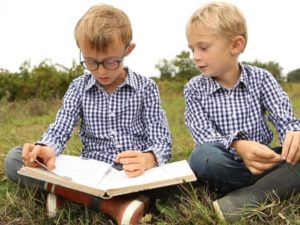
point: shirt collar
(91, 82)
(130, 80)
(244, 76)
(213, 86)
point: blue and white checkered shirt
(131, 118)
(217, 114)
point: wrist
(150, 160)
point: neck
(230, 78)
(120, 80)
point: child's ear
(238, 45)
(131, 46)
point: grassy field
(22, 122)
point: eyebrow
(108, 58)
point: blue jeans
(216, 167)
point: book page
(84, 171)
(176, 170)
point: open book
(101, 179)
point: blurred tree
(166, 68)
(47, 80)
(181, 68)
(185, 66)
(25, 69)
(294, 76)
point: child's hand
(44, 154)
(291, 147)
(257, 157)
(135, 162)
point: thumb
(51, 163)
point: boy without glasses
(227, 108)
(121, 117)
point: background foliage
(46, 80)
(49, 80)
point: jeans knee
(13, 162)
(206, 159)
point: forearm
(56, 137)
(61, 130)
(207, 134)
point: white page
(118, 179)
(84, 171)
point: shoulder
(83, 81)
(196, 84)
(260, 80)
(79, 86)
(140, 82)
(257, 74)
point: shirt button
(112, 114)
(118, 146)
(113, 133)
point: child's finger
(267, 155)
(51, 163)
(293, 150)
(27, 148)
(286, 145)
(34, 153)
(129, 153)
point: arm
(156, 126)
(277, 103)
(54, 139)
(61, 130)
(157, 137)
(198, 122)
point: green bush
(45, 81)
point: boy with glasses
(121, 117)
(227, 108)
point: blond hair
(225, 19)
(101, 26)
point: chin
(104, 81)
(206, 74)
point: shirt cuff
(49, 144)
(158, 153)
(239, 135)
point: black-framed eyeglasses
(109, 63)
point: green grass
(25, 121)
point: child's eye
(203, 47)
(191, 49)
(110, 61)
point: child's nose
(101, 69)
